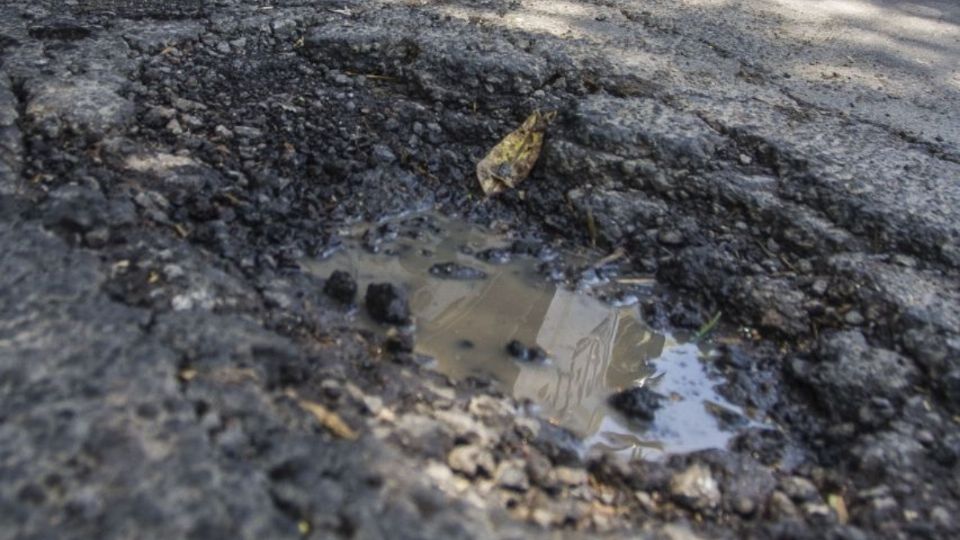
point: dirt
(170, 366)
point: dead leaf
(328, 419)
(839, 506)
(511, 160)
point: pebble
(638, 402)
(527, 354)
(543, 517)
(744, 506)
(382, 154)
(799, 489)
(571, 476)
(670, 237)
(471, 460)
(341, 287)
(854, 318)
(247, 132)
(511, 475)
(782, 507)
(695, 488)
(222, 132)
(387, 303)
(174, 127)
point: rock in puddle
(388, 303)
(341, 287)
(527, 354)
(638, 403)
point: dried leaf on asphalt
(328, 419)
(840, 507)
(512, 159)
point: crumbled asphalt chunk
(387, 303)
(341, 287)
(452, 270)
(639, 403)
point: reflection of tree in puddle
(625, 442)
(594, 349)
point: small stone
(670, 237)
(941, 517)
(174, 127)
(819, 512)
(744, 506)
(540, 470)
(470, 460)
(646, 501)
(677, 532)
(484, 406)
(543, 517)
(571, 476)
(638, 403)
(382, 154)
(511, 475)
(158, 116)
(520, 351)
(192, 121)
(373, 404)
(799, 489)
(819, 287)
(277, 299)
(97, 237)
(247, 132)
(222, 132)
(854, 318)
(782, 507)
(696, 488)
(341, 287)
(387, 303)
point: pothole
(473, 292)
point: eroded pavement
(168, 367)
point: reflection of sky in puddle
(594, 349)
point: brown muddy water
(594, 349)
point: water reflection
(594, 349)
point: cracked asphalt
(167, 368)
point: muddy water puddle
(466, 313)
